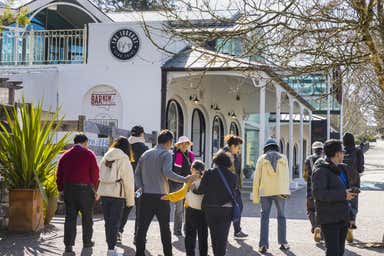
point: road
(370, 229)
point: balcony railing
(43, 47)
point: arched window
(217, 134)
(175, 119)
(198, 134)
(234, 129)
(295, 163)
(281, 147)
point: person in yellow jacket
(195, 223)
(271, 184)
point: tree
(296, 36)
(7, 16)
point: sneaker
(317, 235)
(119, 237)
(241, 235)
(284, 247)
(349, 237)
(263, 249)
(113, 253)
(89, 244)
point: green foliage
(50, 185)
(29, 149)
(8, 17)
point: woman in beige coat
(116, 188)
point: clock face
(124, 44)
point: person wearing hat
(317, 150)
(183, 158)
(137, 147)
(271, 185)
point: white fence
(43, 47)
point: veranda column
(291, 102)
(310, 133)
(262, 117)
(301, 150)
(278, 113)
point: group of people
(208, 199)
(333, 184)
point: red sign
(103, 99)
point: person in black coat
(329, 189)
(136, 149)
(217, 202)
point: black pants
(311, 212)
(78, 198)
(195, 225)
(237, 223)
(151, 205)
(112, 209)
(124, 218)
(334, 236)
(219, 221)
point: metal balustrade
(42, 47)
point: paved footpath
(370, 223)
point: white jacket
(109, 177)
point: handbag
(236, 212)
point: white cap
(317, 144)
(183, 139)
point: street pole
(329, 106)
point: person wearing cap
(317, 150)
(137, 147)
(271, 185)
(182, 161)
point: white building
(105, 67)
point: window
(198, 134)
(217, 134)
(175, 119)
(234, 129)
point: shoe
(353, 226)
(263, 249)
(241, 235)
(119, 237)
(349, 237)
(317, 235)
(284, 247)
(89, 244)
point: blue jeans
(266, 204)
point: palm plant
(28, 147)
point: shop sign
(103, 99)
(124, 44)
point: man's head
(165, 138)
(271, 145)
(317, 147)
(81, 139)
(333, 149)
(197, 167)
(348, 140)
(234, 143)
(137, 131)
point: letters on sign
(103, 99)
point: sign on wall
(103, 102)
(124, 44)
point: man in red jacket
(77, 177)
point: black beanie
(348, 140)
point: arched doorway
(175, 119)
(217, 134)
(234, 129)
(295, 166)
(198, 134)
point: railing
(42, 47)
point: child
(195, 223)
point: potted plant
(28, 148)
(50, 206)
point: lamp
(194, 99)
(232, 115)
(215, 107)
